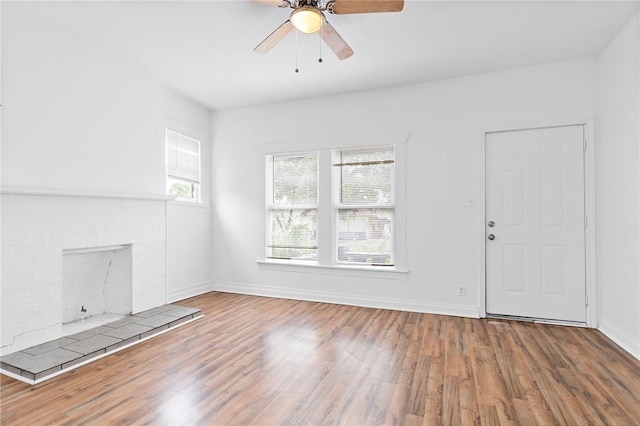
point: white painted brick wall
(36, 228)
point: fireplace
(55, 247)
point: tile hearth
(44, 361)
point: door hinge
(586, 300)
(584, 144)
(586, 222)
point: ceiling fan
(308, 17)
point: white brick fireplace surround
(38, 225)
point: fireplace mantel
(51, 192)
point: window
(183, 166)
(355, 211)
(292, 205)
(364, 199)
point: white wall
(446, 120)
(618, 188)
(73, 117)
(77, 118)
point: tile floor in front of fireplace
(49, 359)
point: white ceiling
(204, 49)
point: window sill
(381, 272)
(189, 204)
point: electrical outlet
(461, 291)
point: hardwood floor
(262, 361)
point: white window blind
(293, 207)
(183, 166)
(364, 194)
(183, 157)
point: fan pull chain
(297, 51)
(319, 48)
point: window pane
(366, 176)
(365, 236)
(295, 180)
(293, 234)
(183, 190)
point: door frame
(589, 208)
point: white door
(535, 224)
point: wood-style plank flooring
(263, 361)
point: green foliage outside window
(183, 191)
(293, 233)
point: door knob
(491, 224)
(491, 237)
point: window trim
(325, 262)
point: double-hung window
(183, 166)
(364, 205)
(292, 205)
(354, 217)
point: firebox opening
(96, 286)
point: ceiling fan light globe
(307, 20)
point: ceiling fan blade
(275, 37)
(335, 42)
(343, 7)
(277, 3)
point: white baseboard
(182, 293)
(346, 299)
(620, 338)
